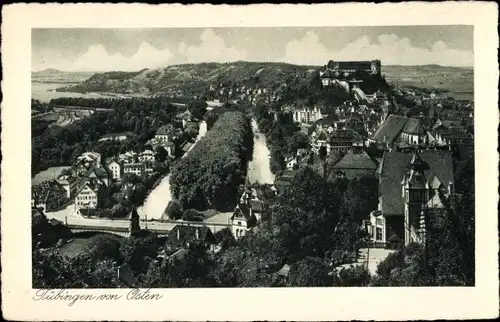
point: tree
(361, 197)
(225, 238)
(356, 275)
(138, 252)
(104, 247)
(120, 210)
(299, 140)
(195, 269)
(192, 215)
(310, 272)
(198, 109)
(52, 270)
(209, 175)
(161, 154)
(174, 210)
(130, 178)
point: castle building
(371, 67)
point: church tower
(134, 227)
(415, 190)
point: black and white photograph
(253, 157)
(187, 168)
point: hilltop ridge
(174, 79)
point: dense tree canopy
(56, 146)
(208, 177)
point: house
(306, 115)
(241, 220)
(327, 124)
(117, 136)
(184, 116)
(48, 195)
(181, 236)
(115, 169)
(136, 168)
(291, 162)
(409, 183)
(148, 168)
(70, 184)
(89, 159)
(128, 157)
(147, 155)
(170, 148)
(91, 195)
(343, 140)
(247, 214)
(353, 165)
(100, 174)
(164, 133)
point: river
(159, 198)
(259, 169)
(44, 92)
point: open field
(452, 81)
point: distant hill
(48, 71)
(196, 77)
(51, 75)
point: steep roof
(395, 164)
(165, 130)
(390, 129)
(41, 192)
(414, 127)
(257, 205)
(435, 183)
(356, 161)
(435, 202)
(181, 234)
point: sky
(83, 49)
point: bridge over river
(258, 171)
(121, 227)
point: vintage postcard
(263, 162)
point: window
(379, 234)
(239, 223)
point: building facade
(412, 185)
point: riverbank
(160, 196)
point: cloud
(390, 49)
(212, 49)
(98, 59)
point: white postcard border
(297, 304)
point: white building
(115, 169)
(147, 155)
(306, 115)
